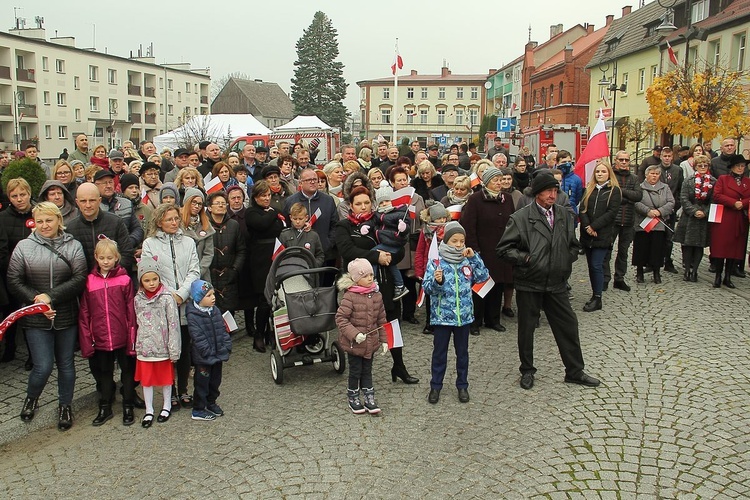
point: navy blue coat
(211, 342)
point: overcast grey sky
(258, 37)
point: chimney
(444, 71)
(626, 10)
(414, 72)
(589, 28)
(555, 30)
(568, 53)
(492, 71)
(609, 18)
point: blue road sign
(506, 124)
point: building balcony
(204, 99)
(149, 92)
(134, 89)
(28, 110)
(25, 75)
(6, 110)
(151, 118)
(135, 118)
(5, 72)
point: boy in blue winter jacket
(211, 347)
(448, 281)
(571, 184)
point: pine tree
(318, 86)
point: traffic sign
(506, 124)
(443, 140)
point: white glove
(360, 338)
(401, 226)
(364, 230)
(385, 347)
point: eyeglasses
(623, 159)
(63, 173)
(197, 203)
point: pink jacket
(107, 318)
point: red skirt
(154, 373)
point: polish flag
(432, 253)
(277, 249)
(513, 107)
(474, 178)
(144, 197)
(672, 57)
(315, 216)
(402, 196)
(397, 63)
(649, 223)
(455, 211)
(484, 287)
(214, 185)
(715, 213)
(412, 212)
(229, 323)
(420, 297)
(596, 148)
(393, 332)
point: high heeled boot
(728, 274)
(399, 369)
(657, 276)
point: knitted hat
(199, 289)
(383, 193)
(489, 174)
(128, 180)
(452, 228)
(437, 211)
(170, 188)
(543, 181)
(190, 192)
(358, 269)
(147, 266)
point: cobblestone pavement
(670, 419)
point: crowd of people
(137, 261)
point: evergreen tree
(318, 86)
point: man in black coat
(213, 156)
(540, 242)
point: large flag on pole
(672, 56)
(398, 63)
(597, 147)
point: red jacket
(107, 317)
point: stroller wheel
(277, 367)
(315, 344)
(337, 358)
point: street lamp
(611, 86)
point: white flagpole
(395, 100)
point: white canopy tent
(215, 128)
(304, 122)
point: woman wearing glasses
(692, 229)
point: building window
(93, 73)
(196, 88)
(45, 63)
(654, 73)
(62, 132)
(179, 96)
(441, 117)
(423, 116)
(385, 116)
(409, 116)
(170, 109)
(741, 39)
(410, 92)
(459, 117)
(161, 83)
(45, 97)
(561, 93)
(170, 84)
(77, 114)
(473, 117)
(625, 83)
(714, 53)
(59, 65)
(459, 92)
(386, 92)
(112, 76)
(76, 83)
(61, 99)
(48, 131)
(699, 10)
(441, 92)
(94, 104)
(187, 87)
(641, 79)
(424, 92)
(551, 95)
(474, 93)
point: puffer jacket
(211, 342)
(451, 302)
(123, 208)
(631, 192)
(387, 232)
(659, 197)
(360, 313)
(572, 185)
(105, 223)
(542, 258)
(599, 212)
(229, 257)
(204, 246)
(34, 268)
(107, 320)
(158, 322)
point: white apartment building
(50, 91)
(440, 109)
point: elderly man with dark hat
(540, 242)
(448, 174)
(180, 159)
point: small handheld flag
(483, 288)
(314, 217)
(393, 332)
(214, 185)
(715, 213)
(277, 249)
(649, 223)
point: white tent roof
(305, 122)
(214, 128)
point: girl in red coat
(106, 330)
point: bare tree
(202, 128)
(218, 84)
(637, 131)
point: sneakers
(370, 405)
(64, 418)
(355, 404)
(399, 292)
(215, 409)
(202, 415)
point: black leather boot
(657, 276)
(717, 280)
(105, 413)
(728, 277)
(639, 275)
(694, 276)
(594, 304)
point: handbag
(312, 311)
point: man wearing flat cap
(540, 242)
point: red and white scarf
(702, 186)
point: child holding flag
(434, 219)
(448, 281)
(391, 234)
(360, 319)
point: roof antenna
(529, 32)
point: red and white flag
(229, 323)
(420, 297)
(144, 197)
(715, 213)
(649, 223)
(393, 332)
(432, 253)
(412, 212)
(277, 249)
(484, 287)
(315, 216)
(672, 56)
(402, 196)
(398, 63)
(513, 107)
(474, 179)
(214, 185)
(597, 147)
(455, 211)
(36, 308)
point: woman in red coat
(729, 237)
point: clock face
(488, 85)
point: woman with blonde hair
(134, 167)
(426, 180)
(63, 172)
(99, 157)
(199, 228)
(597, 211)
(459, 193)
(188, 177)
(335, 173)
(365, 158)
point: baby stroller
(303, 313)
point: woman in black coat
(597, 212)
(352, 243)
(245, 298)
(426, 180)
(264, 224)
(229, 252)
